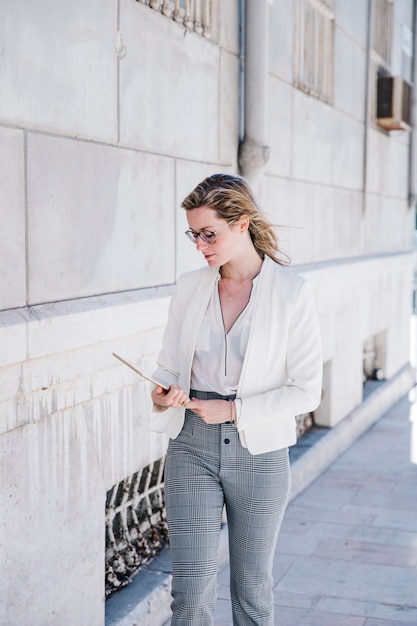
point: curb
(146, 600)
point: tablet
(135, 369)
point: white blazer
(282, 369)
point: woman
(241, 357)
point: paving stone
(289, 543)
(298, 527)
(408, 489)
(365, 533)
(390, 500)
(296, 600)
(295, 617)
(347, 472)
(380, 611)
(384, 622)
(334, 480)
(282, 563)
(400, 520)
(353, 516)
(319, 497)
(359, 581)
(367, 552)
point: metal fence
(136, 527)
(195, 15)
(313, 47)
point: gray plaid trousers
(207, 467)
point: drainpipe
(412, 153)
(253, 148)
(366, 112)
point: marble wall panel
(12, 219)
(100, 220)
(59, 67)
(169, 86)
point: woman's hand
(213, 411)
(174, 398)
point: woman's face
(226, 241)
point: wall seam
(26, 216)
(366, 106)
(118, 76)
(176, 221)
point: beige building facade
(110, 113)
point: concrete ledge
(338, 439)
(146, 600)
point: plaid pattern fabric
(207, 467)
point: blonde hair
(231, 197)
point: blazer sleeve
(168, 370)
(301, 391)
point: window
(382, 31)
(313, 56)
(381, 47)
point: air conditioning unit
(393, 110)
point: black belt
(210, 395)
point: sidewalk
(347, 551)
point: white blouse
(218, 356)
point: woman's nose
(201, 245)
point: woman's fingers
(178, 396)
(211, 411)
(175, 397)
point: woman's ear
(243, 223)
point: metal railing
(136, 527)
(382, 16)
(194, 15)
(313, 47)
